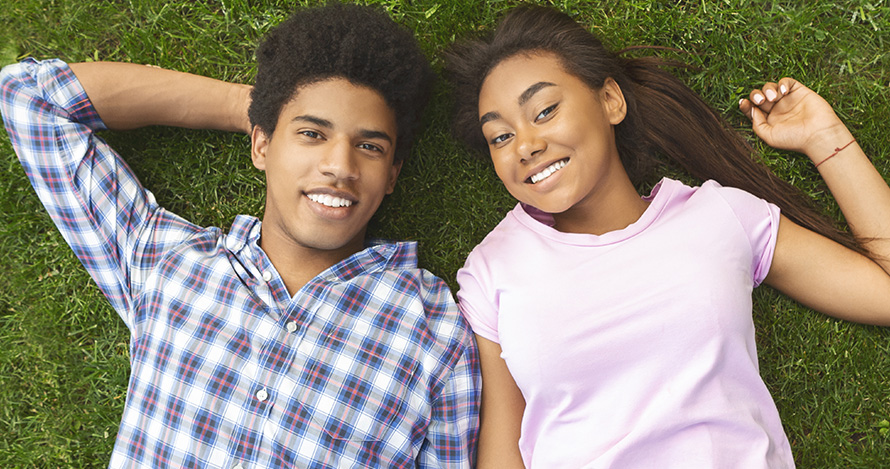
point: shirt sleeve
(760, 221)
(103, 212)
(452, 433)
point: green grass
(63, 351)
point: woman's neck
(610, 208)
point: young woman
(616, 330)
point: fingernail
(758, 99)
(783, 89)
(741, 101)
(770, 95)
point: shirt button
(291, 327)
(262, 395)
(267, 275)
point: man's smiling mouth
(548, 171)
(329, 200)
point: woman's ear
(259, 143)
(613, 101)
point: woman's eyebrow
(489, 116)
(523, 98)
(531, 90)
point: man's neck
(298, 264)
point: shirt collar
(245, 230)
(378, 255)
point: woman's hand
(789, 116)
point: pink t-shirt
(634, 348)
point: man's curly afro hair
(358, 43)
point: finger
(745, 106)
(780, 89)
(770, 91)
(788, 84)
(759, 124)
(759, 99)
(785, 85)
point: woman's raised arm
(807, 266)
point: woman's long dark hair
(664, 117)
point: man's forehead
(335, 102)
(323, 88)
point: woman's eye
(545, 112)
(500, 138)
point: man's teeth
(329, 200)
(548, 171)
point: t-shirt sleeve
(760, 221)
(476, 297)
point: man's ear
(259, 144)
(613, 101)
(393, 175)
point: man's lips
(329, 201)
(331, 197)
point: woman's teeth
(329, 200)
(548, 171)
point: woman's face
(550, 135)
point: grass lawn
(63, 351)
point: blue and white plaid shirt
(368, 365)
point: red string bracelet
(836, 151)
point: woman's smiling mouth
(547, 172)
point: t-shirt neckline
(542, 222)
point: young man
(283, 343)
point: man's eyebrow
(376, 134)
(314, 120)
(528, 93)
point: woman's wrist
(829, 144)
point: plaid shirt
(368, 365)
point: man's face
(328, 165)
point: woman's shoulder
(711, 191)
(504, 236)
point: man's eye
(371, 147)
(500, 138)
(545, 112)
(311, 133)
